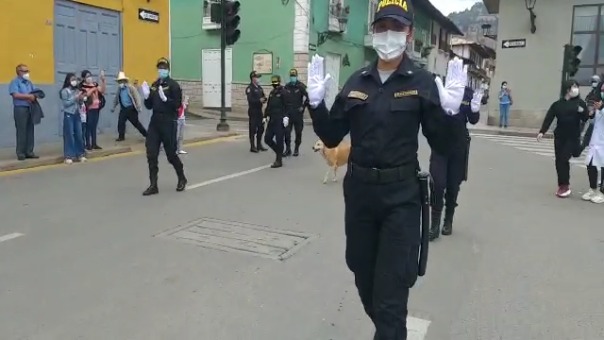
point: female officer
(570, 111)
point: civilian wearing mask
(20, 89)
(71, 99)
(128, 98)
(94, 101)
(595, 153)
(569, 111)
(505, 101)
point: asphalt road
(84, 256)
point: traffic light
(232, 21)
(571, 59)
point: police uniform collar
(405, 68)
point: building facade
(64, 36)
(276, 36)
(480, 60)
(533, 69)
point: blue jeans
(92, 122)
(73, 143)
(504, 111)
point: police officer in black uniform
(296, 101)
(255, 99)
(382, 107)
(278, 120)
(164, 98)
(449, 170)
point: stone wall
(301, 64)
(194, 89)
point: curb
(207, 115)
(509, 133)
(52, 160)
(208, 138)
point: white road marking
(417, 328)
(227, 177)
(10, 237)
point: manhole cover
(239, 237)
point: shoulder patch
(408, 93)
(247, 90)
(465, 102)
(358, 95)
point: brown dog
(335, 157)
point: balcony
(338, 16)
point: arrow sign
(513, 43)
(147, 15)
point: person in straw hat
(129, 100)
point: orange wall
(31, 41)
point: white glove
(263, 120)
(317, 81)
(285, 121)
(476, 102)
(162, 95)
(451, 94)
(146, 90)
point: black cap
(400, 10)
(293, 72)
(276, 79)
(254, 74)
(163, 62)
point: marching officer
(276, 112)
(449, 170)
(296, 102)
(382, 107)
(164, 98)
(255, 99)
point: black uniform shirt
(296, 95)
(569, 115)
(275, 107)
(465, 115)
(384, 119)
(254, 95)
(168, 108)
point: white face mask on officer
(389, 45)
(574, 92)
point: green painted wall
(267, 25)
(350, 43)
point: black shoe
(278, 163)
(21, 158)
(253, 149)
(287, 153)
(182, 184)
(448, 225)
(96, 147)
(262, 148)
(434, 225)
(121, 139)
(32, 156)
(296, 152)
(151, 190)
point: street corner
(13, 166)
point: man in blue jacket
(21, 89)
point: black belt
(382, 176)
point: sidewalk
(241, 116)
(52, 153)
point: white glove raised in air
(451, 94)
(146, 90)
(285, 121)
(263, 120)
(317, 81)
(476, 102)
(162, 95)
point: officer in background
(276, 112)
(296, 102)
(449, 170)
(164, 98)
(255, 99)
(382, 107)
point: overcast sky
(448, 6)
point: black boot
(182, 183)
(152, 189)
(435, 225)
(278, 162)
(448, 225)
(252, 146)
(288, 152)
(297, 151)
(259, 145)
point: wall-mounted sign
(513, 43)
(262, 63)
(147, 15)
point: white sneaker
(589, 195)
(83, 159)
(182, 152)
(68, 161)
(598, 198)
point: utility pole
(222, 125)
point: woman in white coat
(595, 154)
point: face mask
(389, 45)
(163, 73)
(89, 80)
(74, 83)
(574, 92)
(293, 79)
(504, 87)
(275, 86)
(25, 76)
(122, 85)
(594, 85)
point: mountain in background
(470, 20)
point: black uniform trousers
(274, 134)
(256, 128)
(564, 147)
(131, 115)
(296, 123)
(382, 224)
(447, 173)
(162, 130)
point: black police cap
(276, 79)
(399, 10)
(163, 62)
(254, 74)
(293, 72)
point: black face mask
(275, 86)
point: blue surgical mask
(163, 73)
(293, 79)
